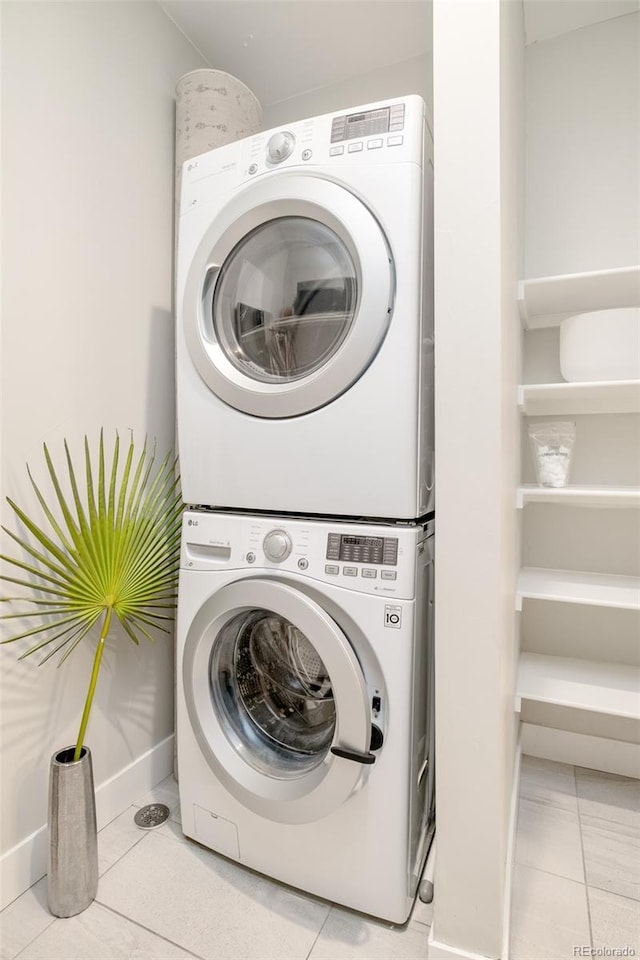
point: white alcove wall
(88, 121)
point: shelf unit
(611, 688)
(605, 396)
(546, 301)
(595, 686)
(579, 495)
(572, 586)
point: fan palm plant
(111, 551)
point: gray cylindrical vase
(73, 836)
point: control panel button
(251, 557)
(332, 569)
(369, 572)
(303, 563)
(336, 151)
(350, 571)
(280, 146)
(277, 545)
(355, 147)
(388, 575)
(374, 144)
(253, 168)
(395, 141)
(306, 154)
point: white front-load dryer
(305, 318)
(305, 702)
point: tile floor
(161, 897)
(577, 863)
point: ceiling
(284, 48)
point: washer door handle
(353, 755)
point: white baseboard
(26, 863)
(444, 951)
(599, 753)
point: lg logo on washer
(392, 616)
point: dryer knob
(277, 545)
(280, 146)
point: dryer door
(271, 683)
(288, 297)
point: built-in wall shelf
(606, 396)
(571, 586)
(579, 495)
(610, 688)
(546, 301)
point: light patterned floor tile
(548, 782)
(100, 934)
(549, 916)
(548, 838)
(24, 919)
(612, 855)
(609, 797)
(210, 905)
(615, 921)
(117, 838)
(351, 936)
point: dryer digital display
(362, 549)
(367, 122)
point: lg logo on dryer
(392, 616)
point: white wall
(479, 170)
(88, 127)
(583, 149)
(408, 76)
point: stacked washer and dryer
(305, 429)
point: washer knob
(280, 146)
(277, 545)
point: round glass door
(273, 692)
(271, 683)
(288, 296)
(285, 299)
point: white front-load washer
(305, 318)
(305, 701)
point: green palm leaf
(112, 549)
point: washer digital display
(354, 549)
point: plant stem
(92, 683)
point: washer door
(288, 297)
(271, 684)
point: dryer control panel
(386, 132)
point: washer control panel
(376, 559)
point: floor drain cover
(152, 815)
